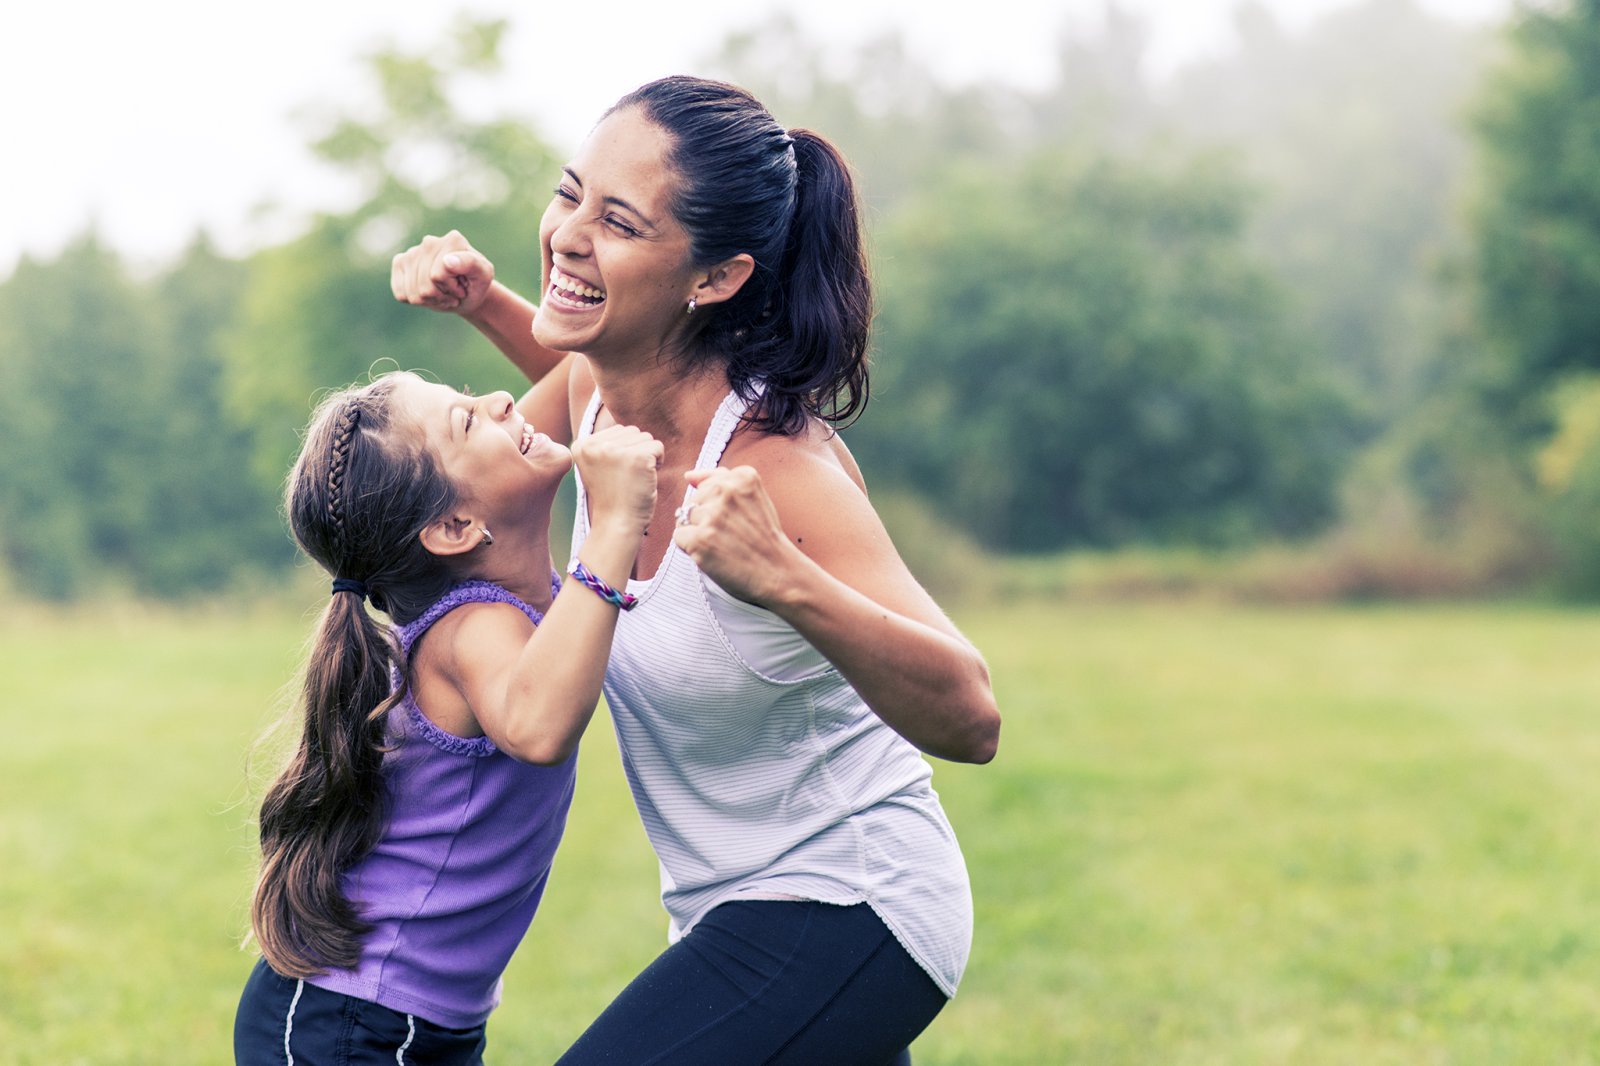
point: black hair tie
(349, 584)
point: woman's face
(493, 455)
(616, 263)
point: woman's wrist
(791, 591)
(485, 315)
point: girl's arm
(448, 274)
(800, 539)
(533, 694)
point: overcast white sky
(154, 118)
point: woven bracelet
(581, 574)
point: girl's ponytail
(325, 810)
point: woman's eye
(621, 226)
(471, 417)
(566, 194)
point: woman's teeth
(574, 292)
(527, 439)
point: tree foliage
(1538, 223)
(1537, 270)
(1082, 352)
(121, 463)
(1353, 133)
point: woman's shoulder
(817, 454)
(811, 477)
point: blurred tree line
(1342, 283)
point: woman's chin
(549, 336)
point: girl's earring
(694, 301)
(488, 538)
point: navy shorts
(770, 982)
(284, 1021)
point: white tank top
(760, 773)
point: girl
(407, 844)
(705, 266)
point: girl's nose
(501, 404)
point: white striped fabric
(755, 784)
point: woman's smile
(569, 292)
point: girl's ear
(452, 535)
(723, 281)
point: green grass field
(1213, 836)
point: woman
(704, 267)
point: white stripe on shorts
(288, 1021)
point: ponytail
(827, 295)
(797, 330)
(358, 499)
(325, 811)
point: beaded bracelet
(581, 574)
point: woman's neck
(662, 399)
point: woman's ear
(453, 534)
(723, 281)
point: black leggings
(770, 981)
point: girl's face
(494, 456)
(616, 263)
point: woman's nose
(501, 404)
(569, 237)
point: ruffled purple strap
(467, 592)
(409, 634)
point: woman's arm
(448, 274)
(800, 539)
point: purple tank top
(452, 886)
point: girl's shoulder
(463, 642)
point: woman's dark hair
(800, 324)
(358, 498)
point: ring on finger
(685, 514)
